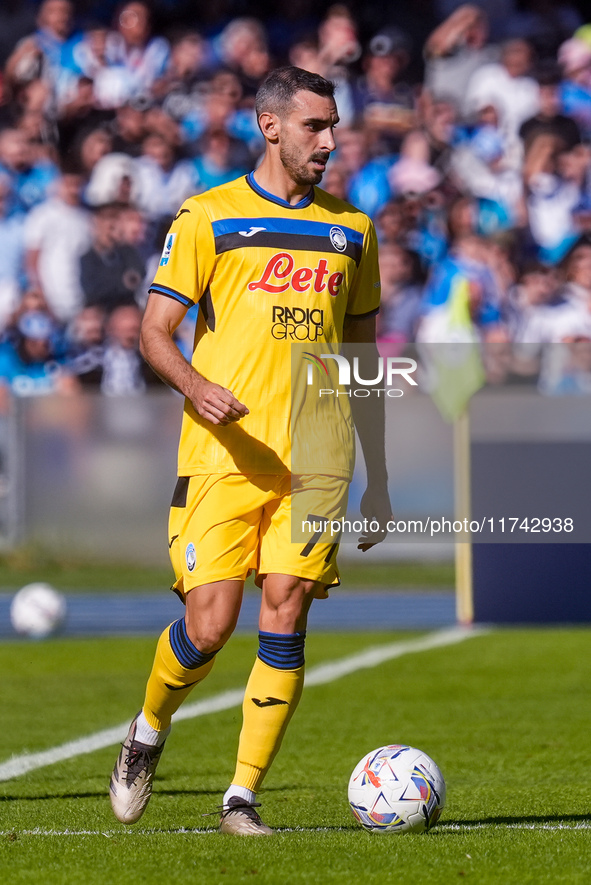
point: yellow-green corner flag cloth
(453, 364)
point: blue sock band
(284, 651)
(187, 654)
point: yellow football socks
(272, 693)
(178, 667)
(271, 697)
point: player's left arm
(369, 418)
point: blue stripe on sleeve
(171, 293)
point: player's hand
(376, 508)
(217, 404)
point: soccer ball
(396, 789)
(37, 611)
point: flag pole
(463, 549)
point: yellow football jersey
(266, 275)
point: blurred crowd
(465, 134)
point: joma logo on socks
(270, 702)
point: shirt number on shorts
(312, 518)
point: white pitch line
(442, 827)
(319, 675)
(580, 825)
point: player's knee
(208, 637)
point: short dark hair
(277, 90)
(548, 73)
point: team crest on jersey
(167, 249)
(191, 556)
(338, 239)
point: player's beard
(300, 172)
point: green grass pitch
(506, 715)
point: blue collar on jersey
(305, 201)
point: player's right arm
(186, 267)
(213, 402)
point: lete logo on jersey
(281, 268)
(169, 243)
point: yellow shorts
(223, 526)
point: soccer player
(270, 259)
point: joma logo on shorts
(279, 275)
